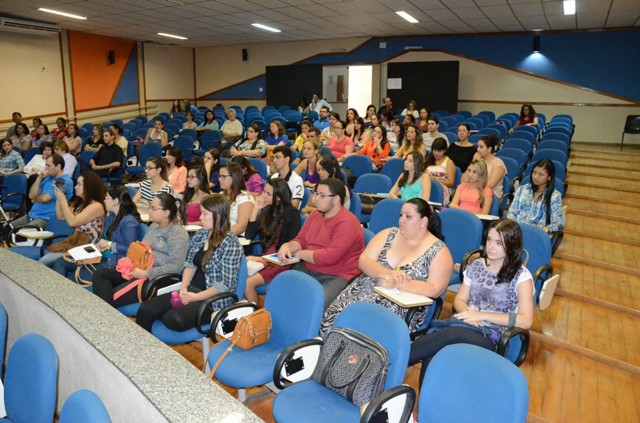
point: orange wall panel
(95, 80)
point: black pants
(178, 319)
(426, 347)
(107, 281)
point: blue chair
(3, 334)
(295, 301)
(465, 113)
(514, 170)
(355, 207)
(475, 138)
(260, 166)
(368, 236)
(82, 407)
(477, 122)
(171, 337)
(13, 193)
(185, 144)
(558, 136)
(538, 247)
(359, 164)
(31, 380)
(554, 144)
(305, 197)
(437, 193)
(373, 183)
(385, 214)
(495, 206)
(393, 168)
(208, 140)
(485, 119)
(490, 114)
(519, 144)
(309, 401)
(462, 233)
(551, 154)
(191, 133)
(86, 157)
(34, 252)
(518, 155)
(451, 136)
(152, 149)
(467, 383)
(498, 127)
(533, 130)
(30, 154)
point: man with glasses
(43, 194)
(330, 242)
(323, 122)
(282, 163)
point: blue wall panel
(127, 91)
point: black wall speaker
(245, 55)
(112, 57)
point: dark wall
(287, 85)
(433, 85)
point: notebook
(273, 258)
(403, 299)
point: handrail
(137, 111)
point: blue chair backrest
(538, 246)
(260, 166)
(533, 130)
(462, 232)
(368, 236)
(513, 168)
(385, 214)
(393, 168)
(389, 330)
(557, 136)
(518, 155)
(473, 139)
(30, 153)
(551, 154)
(16, 182)
(84, 406)
(437, 193)
(355, 205)
(519, 144)
(359, 164)
(143, 228)
(478, 122)
(458, 179)
(59, 226)
(30, 383)
(495, 206)
(373, 183)
(491, 131)
(492, 116)
(498, 127)
(465, 382)
(484, 118)
(451, 136)
(523, 134)
(189, 133)
(295, 301)
(555, 145)
(152, 149)
(185, 144)
(3, 333)
(465, 113)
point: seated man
(433, 124)
(330, 242)
(231, 128)
(43, 195)
(108, 157)
(282, 164)
(323, 120)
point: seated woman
(121, 228)
(189, 123)
(377, 148)
(474, 195)
(352, 115)
(496, 294)
(327, 167)
(176, 107)
(37, 162)
(96, 141)
(73, 139)
(60, 130)
(411, 109)
(253, 146)
(462, 151)
(22, 138)
(197, 189)
(371, 111)
(360, 134)
(10, 160)
(412, 142)
(70, 162)
(411, 257)
(341, 146)
(308, 165)
(252, 179)
(210, 268)
(234, 189)
(413, 182)
(538, 202)
(85, 212)
(302, 138)
(528, 117)
(423, 122)
(276, 221)
(395, 134)
(176, 170)
(277, 134)
(209, 124)
(157, 182)
(157, 134)
(169, 242)
(441, 168)
(496, 169)
(42, 135)
(211, 167)
(35, 123)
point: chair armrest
(49, 241)
(14, 231)
(297, 362)
(150, 287)
(225, 320)
(465, 261)
(207, 304)
(503, 343)
(13, 194)
(556, 240)
(396, 404)
(437, 308)
(541, 272)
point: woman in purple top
(308, 164)
(253, 180)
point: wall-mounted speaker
(245, 55)
(112, 57)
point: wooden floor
(584, 360)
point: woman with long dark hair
(412, 142)
(527, 117)
(377, 147)
(209, 123)
(413, 182)
(327, 167)
(252, 178)
(197, 189)
(496, 294)
(276, 221)
(210, 268)
(211, 167)
(539, 203)
(234, 189)
(441, 168)
(176, 170)
(157, 182)
(411, 257)
(360, 134)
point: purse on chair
(84, 256)
(140, 256)
(252, 330)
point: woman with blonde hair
(474, 195)
(412, 142)
(307, 166)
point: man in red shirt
(330, 242)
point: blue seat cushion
(311, 402)
(245, 368)
(27, 251)
(129, 310)
(172, 337)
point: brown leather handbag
(76, 239)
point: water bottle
(176, 301)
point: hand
(207, 165)
(60, 195)
(284, 253)
(139, 273)
(187, 297)
(102, 245)
(469, 316)
(394, 279)
(256, 259)
(261, 202)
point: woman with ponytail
(411, 257)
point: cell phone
(60, 184)
(89, 249)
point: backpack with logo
(352, 365)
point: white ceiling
(227, 22)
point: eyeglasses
(156, 208)
(150, 168)
(223, 176)
(323, 196)
(192, 177)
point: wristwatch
(109, 244)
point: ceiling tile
(497, 11)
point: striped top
(147, 194)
